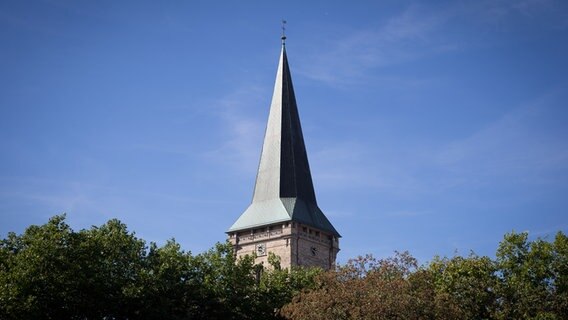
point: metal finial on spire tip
(283, 32)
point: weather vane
(283, 31)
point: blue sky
(433, 127)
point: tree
(111, 261)
(106, 272)
(52, 272)
(560, 275)
(168, 289)
(227, 284)
(37, 273)
(468, 282)
(229, 288)
(278, 286)
(526, 278)
(367, 288)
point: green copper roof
(284, 189)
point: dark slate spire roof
(284, 190)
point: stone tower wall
(294, 243)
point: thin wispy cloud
(242, 123)
(405, 213)
(418, 31)
(405, 37)
(348, 165)
(499, 10)
(516, 147)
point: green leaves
(37, 270)
(468, 282)
(53, 272)
(532, 277)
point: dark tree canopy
(53, 272)
(106, 272)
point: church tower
(284, 217)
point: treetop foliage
(106, 272)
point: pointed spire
(284, 171)
(284, 189)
